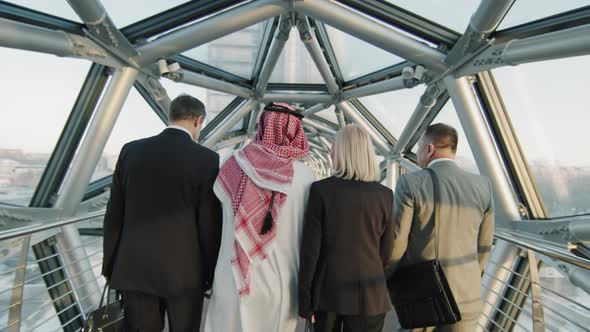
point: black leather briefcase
(420, 292)
(109, 317)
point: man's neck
(441, 159)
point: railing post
(77, 179)
(536, 294)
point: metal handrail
(542, 248)
(42, 226)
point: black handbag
(420, 292)
(108, 317)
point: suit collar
(441, 160)
(177, 133)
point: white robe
(272, 303)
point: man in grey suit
(466, 222)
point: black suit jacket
(347, 240)
(164, 216)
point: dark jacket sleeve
(310, 251)
(209, 221)
(113, 219)
(386, 242)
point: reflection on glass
(547, 103)
(37, 97)
(349, 50)
(235, 53)
(214, 101)
(561, 301)
(464, 158)
(137, 120)
(328, 114)
(123, 13)
(394, 108)
(524, 11)
(295, 65)
(454, 15)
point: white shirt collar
(183, 129)
(439, 160)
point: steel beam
(362, 27)
(231, 141)
(392, 84)
(315, 109)
(380, 142)
(426, 103)
(318, 126)
(210, 29)
(102, 29)
(489, 163)
(78, 177)
(308, 98)
(273, 55)
(33, 38)
(315, 51)
(392, 173)
(207, 82)
(228, 123)
(555, 45)
(340, 117)
(488, 15)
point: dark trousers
(333, 322)
(145, 312)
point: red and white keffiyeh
(269, 158)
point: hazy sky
(546, 100)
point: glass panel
(56, 8)
(547, 103)
(394, 108)
(235, 53)
(456, 18)
(34, 111)
(295, 64)
(137, 120)
(124, 13)
(349, 50)
(328, 114)
(524, 11)
(464, 157)
(214, 101)
(562, 301)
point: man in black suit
(162, 228)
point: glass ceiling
(452, 14)
(295, 65)
(524, 11)
(122, 13)
(349, 50)
(235, 53)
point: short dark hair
(185, 107)
(442, 136)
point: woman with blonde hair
(347, 240)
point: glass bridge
(80, 78)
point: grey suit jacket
(466, 228)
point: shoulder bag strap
(435, 211)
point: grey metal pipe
(427, 101)
(392, 173)
(32, 38)
(580, 229)
(207, 82)
(230, 142)
(560, 44)
(408, 165)
(392, 84)
(315, 109)
(488, 15)
(315, 51)
(360, 26)
(91, 12)
(210, 29)
(504, 254)
(298, 98)
(325, 143)
(340, 117)
(77, 179)
(273, 55)
(380, 143)
(319, 126)
(579, 277)
(228, 123)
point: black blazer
(163, 209)
(347, 240)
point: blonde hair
(353, 155)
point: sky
(546, 101)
